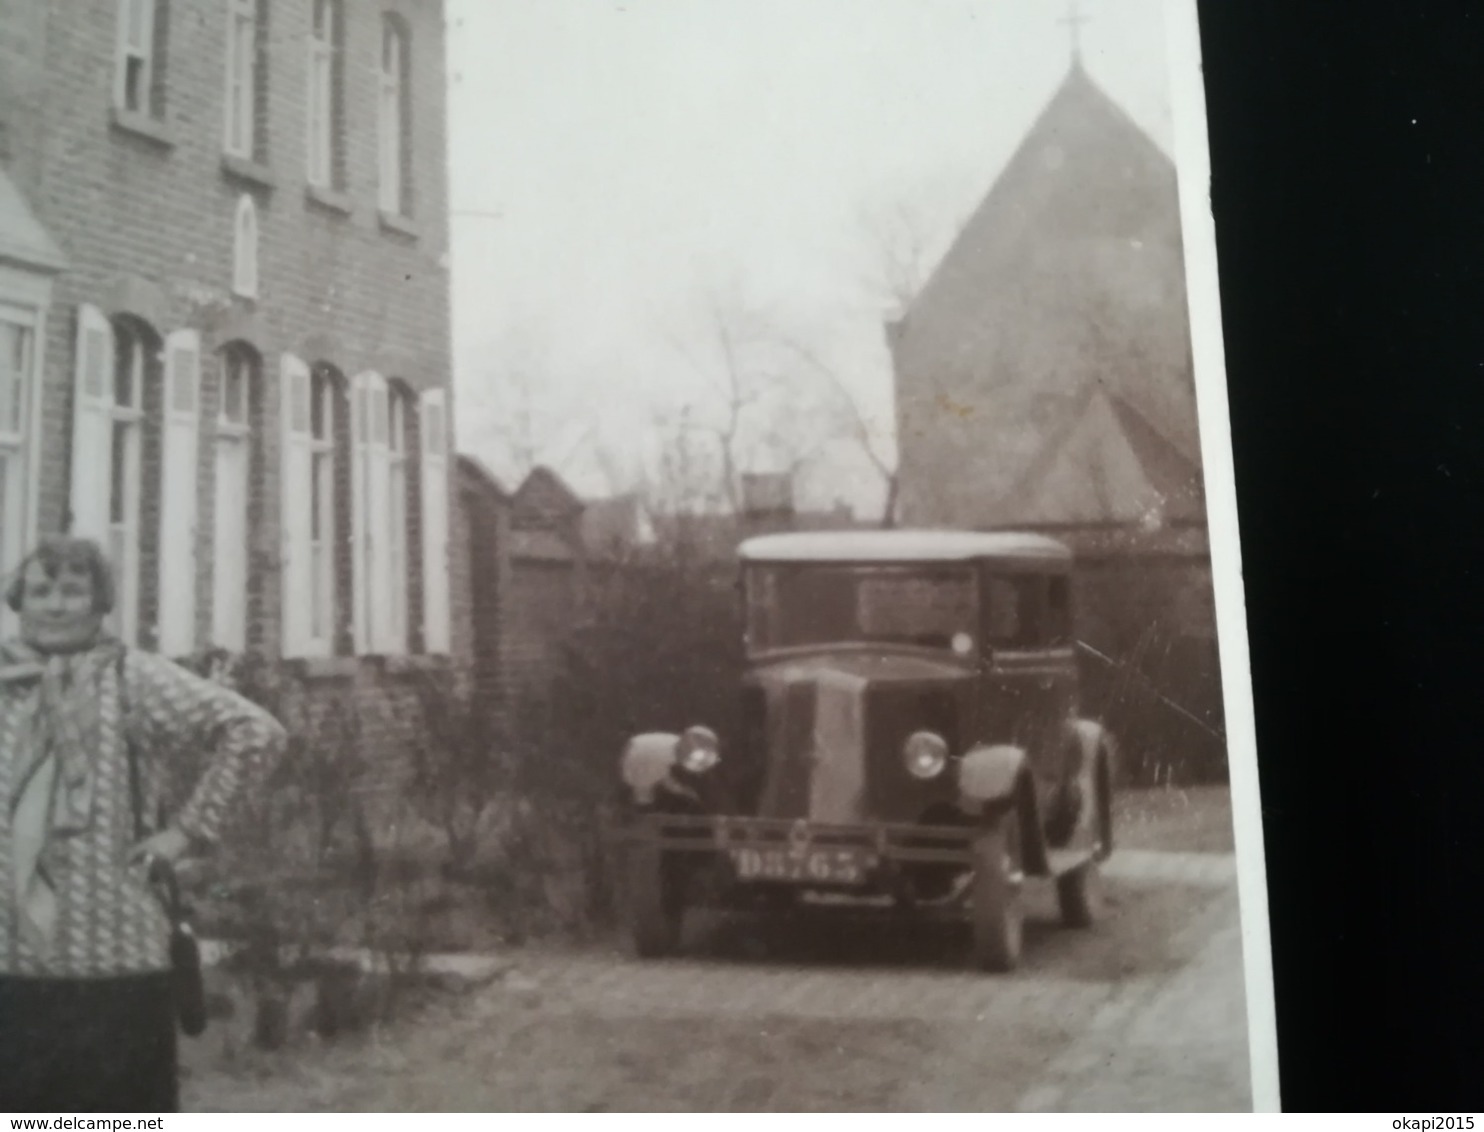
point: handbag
(187, 983)
(188, 986)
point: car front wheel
(656, 904)
(995, 897)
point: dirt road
(1143, 1013)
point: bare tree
(618, 472)
(848, 419)
(682, 480)
(900, 243)
(739, 392)
(751, 412)
(514, 414)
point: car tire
(656, 905)
(1079, 895)
(995, 896)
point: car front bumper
(886, 845)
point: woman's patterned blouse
(110, 922)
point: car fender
(1083, 740)
(647, 761)
(990, 773)
(997, 774)
(1089, 753)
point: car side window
(1002, 612)
(1027, 611)
(1059, 611)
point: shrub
(302, 878)
(661, 649)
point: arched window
(379, 521)
(399, 484)
(313, 538)
(136, 405)
(393, 115)
(239, 375)
(175, 543)
(325, 390)
(309, 418)
(135, 348)
(245, 249)
(18, 381)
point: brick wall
(145, 218)
(538, 619)
(23, 26)
(484, 513)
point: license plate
(803, 866)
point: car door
(1029, 665)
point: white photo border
(1203, 292)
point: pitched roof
(23, 238)
(1069, 275)
(478, 471)
(544, 497)
(1106, 464)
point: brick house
(528, 565)
(540, 558)
(1044, 382)
(548, 576)
(224, 328)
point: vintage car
(910, 739)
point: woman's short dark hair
(58, 554)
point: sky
(622, 170)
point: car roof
(903, 546)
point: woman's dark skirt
(88, 1045)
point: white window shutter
(433, 432)
(229, 546)
(370, 514)
(92, 425)
(297, 479)
(360, 502)
(178, 480)
(379, 517)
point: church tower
(1044, 382)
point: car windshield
(796, 605)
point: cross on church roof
(1074, 19)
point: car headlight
(698, 750)
(646, 762)
(925, 754)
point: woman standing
(88, 729)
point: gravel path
(1143, 1013)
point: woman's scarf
(53, 793)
